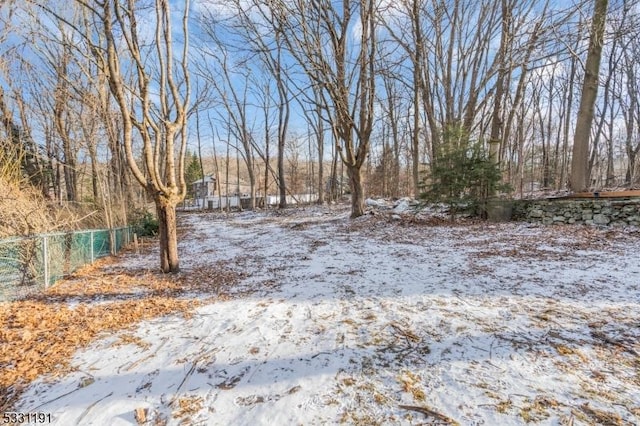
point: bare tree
(393, 107)
(316, 122)
(271, 51)
(579, 179)
(16, 141)
(63, 120)
(233, 106)
(320, 36)
(160, 125)
(631, 112)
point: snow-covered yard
(375, 321)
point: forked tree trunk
(167, 231)
(357, 191)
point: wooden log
(603, 194)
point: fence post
(112, 241)
(45, 260)
(91, 240)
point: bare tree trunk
(252, 179)
(227, 164)
(579, 179)
(282, 187)
(567, 121)
(495, 137)
(204, 191)
(417, 84)
(632, 145)
(317, 35)
(162, 159)
(610, 173)
(168, 234)
(357, 194)
(216, 165)
(267, 142)
(63, 127)
(333, 183)
(320, 185)
(320, 136)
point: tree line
(371, 92)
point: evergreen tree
(193, 172)
(463, 176)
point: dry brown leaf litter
(39, 335)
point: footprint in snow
(247, 401)
(232, 381)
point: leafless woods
(321, 97)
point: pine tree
(193, 173)
(463, 176)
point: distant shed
(204, 188)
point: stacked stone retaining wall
(613, 212)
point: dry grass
(187, 407)
(23, 210)
(412, 383)
(601, 417)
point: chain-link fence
(30, 264)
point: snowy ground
(376, 321)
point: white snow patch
(485, 324)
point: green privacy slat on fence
(119, 239)
(80, 250)
(56, 257)
(9, 262)
(31, 264)
(19, 267)
(101, 245)
(123, 237)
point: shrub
(144, 223)
(462, 177)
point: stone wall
(616, 212)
